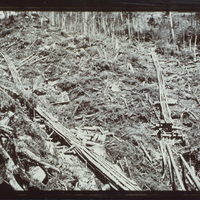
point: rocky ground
(101, 90)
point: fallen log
(23, 62)
(13, 71)
(10, 167)
(6, 129)
(10, 45)
(171, 174)
(145, 151)
(27, 58)
(60, 103)
(190, 181)
(197, 99)
(129, 171)
(38, 60)
(175, 167)
(193, 176)
(169, 102)
(163, 155)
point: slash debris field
(99, 101)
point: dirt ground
(101, 93)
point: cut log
(192, 174)
(171, 174)
(163, 155)
(129, 171)
(26, 60)
(175, 167)
(93, 128)
(145, 151)
(7, 129)
(197, 99)
(13, 71)
(38, 60)
(190, 181)
(176, 128)
(60, 103)
(10, 167)
(169, 102)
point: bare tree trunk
(93, 24)
(172, 27)
(128, 23)
(195, 44)
(85, 14)
(63, 21)
(53, 18)
(104, 25)
(59, 20)
(56, 20)
(138, 36)
(190, 44)
(42, 16)
(183, 39)
(106, 21)
(71, 20)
